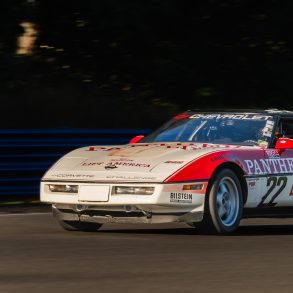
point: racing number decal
(273, 182)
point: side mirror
(136, 139)
(284, 143)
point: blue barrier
(26, 154)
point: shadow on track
(171, 231)
(263, 230)
(257, 230)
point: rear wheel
(81, 226)
(223, 204)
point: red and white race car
(209, 170)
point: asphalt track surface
(36, 255)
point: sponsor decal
(291, 192)
(273, 154)
(142, 165)
(231, 116)
(181, 197)
(91, 164)
(269, 166)
(191, 146)
(61, 175)
(268, 129)
(218, 158)
(121, 159)
(106, 149)
(131, 177)
(115, 164)
(252, 184)
(174, 162)
(180, 146)
(110, 166)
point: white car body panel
(180, 174)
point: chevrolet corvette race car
(208, 170)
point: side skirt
(270, 212)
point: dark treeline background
(131, 63)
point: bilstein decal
(269, 166)
(181, 197)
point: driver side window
(287, 128)
(284, 129)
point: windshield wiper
(196, 131)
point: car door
(278, 189)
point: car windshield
(237, 129)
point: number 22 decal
(273, 182)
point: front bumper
(117, 215)
(168, 203)
(91, 193)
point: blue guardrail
(26, 154)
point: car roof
(273, 112)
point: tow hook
(147, 214)
(130, 208)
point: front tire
(223, 204)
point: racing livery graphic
(208, 170)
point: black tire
(223, 204)
(80, 226)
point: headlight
(63, 188)
(116, 190)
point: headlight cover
(63, 188)
(136, 190)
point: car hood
(153, 162)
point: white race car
(208, 170)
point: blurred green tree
(141, 61)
